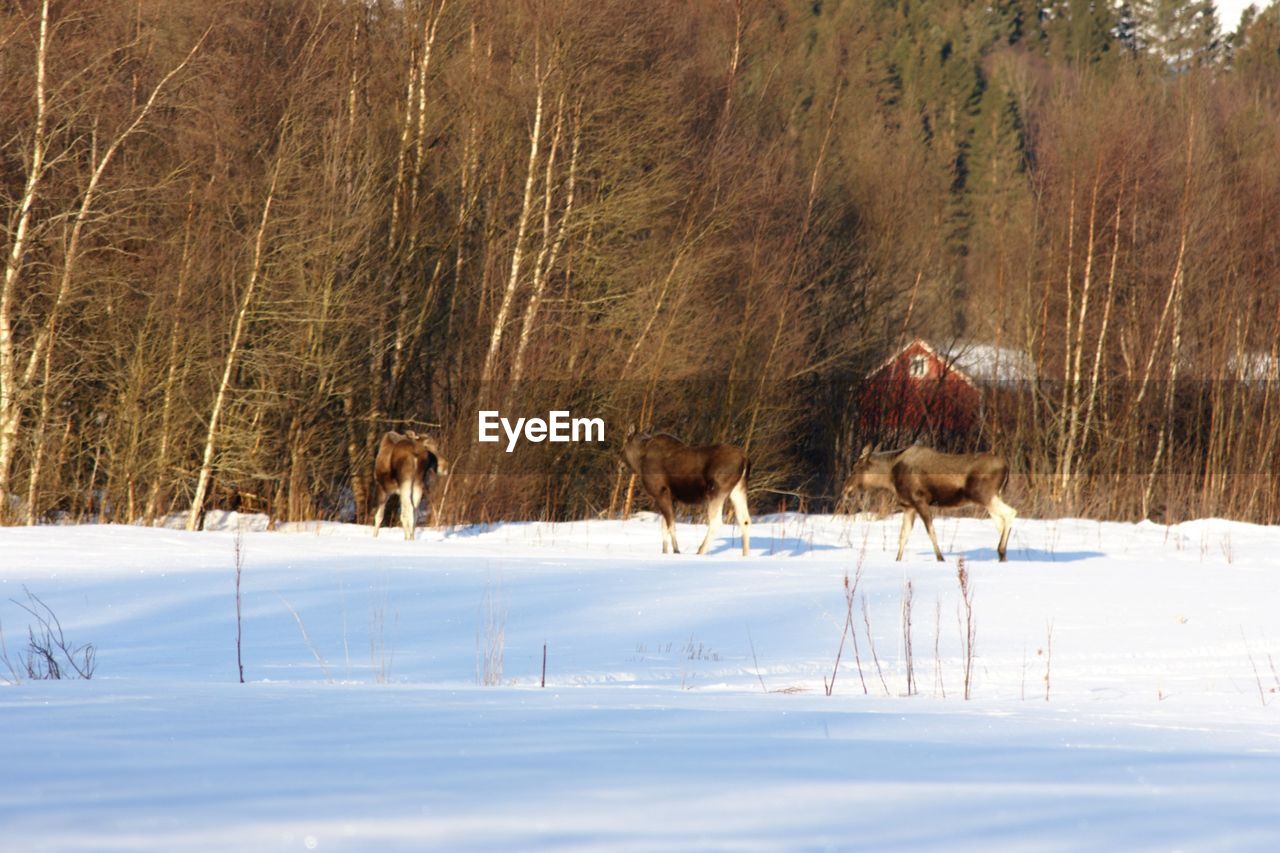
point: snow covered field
(684, 705)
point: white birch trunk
(417, 117)
(1064, 403)
(10, 405)
(550, 252)
(37, 446)
(233, 352)
(517, 252)
(1077, 348)
(1095, 374)
(11, 385)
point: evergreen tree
(1019, 22)
(1181, 33)
(1082, 31)
(1256, 46)
(1126, 29)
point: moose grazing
(921, 477)
(401, 468)
(670, 470)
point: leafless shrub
(968, 627)
(324, 665)
(697, 650)
(907, 595)
(1262, 693)
(937, 657)
(1022, 693)
(850, 591)
(14, 674)
(866, 620)
(239, 563)
(380, 659)
(49, 655)
(491, 640)
(1048, 659)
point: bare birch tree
(16, 379)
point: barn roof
(991, 363)
(972, 362)
(953, 370)
(1254, 367)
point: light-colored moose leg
(738, 497)
(715, 515)
(1003, 515)
(377, 514)
(671, 534)
(409, 508)
(908, 519)
(668, 512)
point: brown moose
(670, 470)
(401, 468)
(921, 477)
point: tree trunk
(550, 252)
(233, 353)
(10, 402)
(517, 251)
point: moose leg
(410, 492)
(668, 521)
(419, 494)
(1003, 515)
(927, 518)
(381, 498)
(738, 497)
(715, 515)
(908, 519)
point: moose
(670, 470)
(921, 477)
(401, 468)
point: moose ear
(866, 451)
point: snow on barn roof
(991, 363)
(1254, 367)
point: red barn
(917, 394)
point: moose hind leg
(715, 515)
(1004, 515)
(377, 513)
(409, 495)
(927, 518)
(738, 497)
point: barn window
(919, 366)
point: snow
(684, 705)
(991, 363)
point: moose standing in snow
(670, 470)
(401, 468)
(921, 477)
